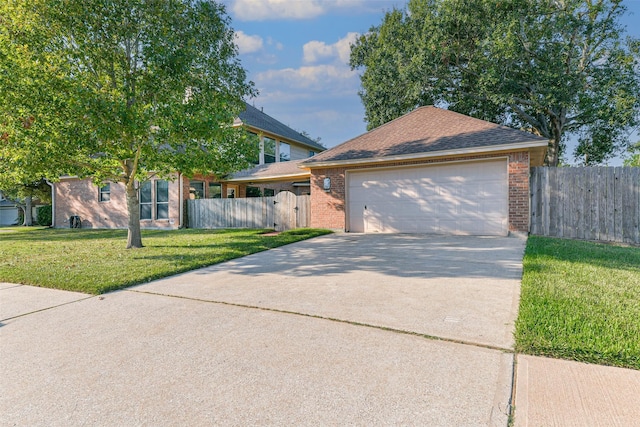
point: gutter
(427, 155)
(53, 203)
(180, 191)
(271, 178)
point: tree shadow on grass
(581, 252)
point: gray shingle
(256, 118)
(425, 130)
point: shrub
(44, 215)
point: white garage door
(454, 198)
(8, 216)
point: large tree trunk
(552, 154)
(134, 237)
(28, 217)
(557, 127)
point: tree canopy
(554, 68)
(119, 89)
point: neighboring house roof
(272, 171)
(427, 132)
(259, 120)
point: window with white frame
(215, 190)
(162, 199)
(104, 193)
(312, 153)
(146, 201)
(269, 149)
(285, 152)
(255, 157)
(196, 190)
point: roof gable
(425, 130)
(253, 117)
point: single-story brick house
(429, 171)
(162, 202)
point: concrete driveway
(341, 329)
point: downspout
(53, 203)
(181, 190)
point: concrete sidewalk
(551, 392)
(140, 359)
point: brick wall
(519, 192)
(80, 197)
(328, 208)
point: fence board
(536, 203)
(594, 203)
(281, 212)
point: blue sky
(296, 53)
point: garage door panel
(8, 216)
(464, 198)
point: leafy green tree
(122, 89)
(554, 68)
(634, 158)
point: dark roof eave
(520, 146)
(283, 177)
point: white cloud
(316, 51)
(277, 44)
(247, 43)
(314, 78)
(262, 10)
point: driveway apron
(337, 330)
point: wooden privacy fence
(591, 203)
(282, 212)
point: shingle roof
(425, 130)
(258, 119)
(271, 171)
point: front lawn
(96, 261)
(580, 301)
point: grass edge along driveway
(96, 261)
(580, 301)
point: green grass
(580, 301)
(96, 261)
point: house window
(104, 194)
(285, 152)
(312, 153)
(254, 158)
(231, 193)
(269, 150)
(159, 206)
(215, 190)
(254, 192)
(269, 192)
(196, 190)
(145, 200)
(162, 199)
